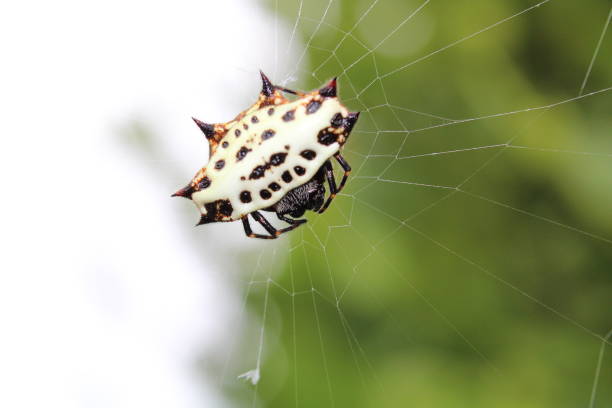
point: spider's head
(310, 196)
(316, 196)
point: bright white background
(103, 302)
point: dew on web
(468, 259)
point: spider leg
(274, 233)
(290, 220)
(329, 174)
(331, 180)
(249, 233)
(346, 167)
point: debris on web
(251, 375)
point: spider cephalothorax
(274, 156)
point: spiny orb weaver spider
(274, 156)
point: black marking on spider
(312, 107)
(257, 173)
(277, 159)
(299, 170)
(350, 121)
(274, 186)
(219, 164)
(326, 138)
(289, 115)
(225, 208)
(242, 153)
(245, 126)
(254, 119)
(271, 111)
(245, 197)
(286, 176)
(330, 90)
(337, 120)
(267, 134)
(237, 132)
(220, 210)
(225, 145)
(204, 183)
(265, 194)
(308, 154)
(210, 215)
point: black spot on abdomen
(308, 154)
(312, 107)
(265, 194)
(268, 133)
(326, 138)
(289, 115)
(204, 183)
(299, 170)
(219, 164)
(225, 207)
(237, 132)
(245, 197)
(257, 173)
(274, 186)
(254, 119)
(287, 177)
(242, 153)
(337, 120)
(277, 159)
(218, 210)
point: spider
(275, 156)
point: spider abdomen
(268, 151)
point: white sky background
(103, 302)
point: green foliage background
(443, 297)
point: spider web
(468, 259)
